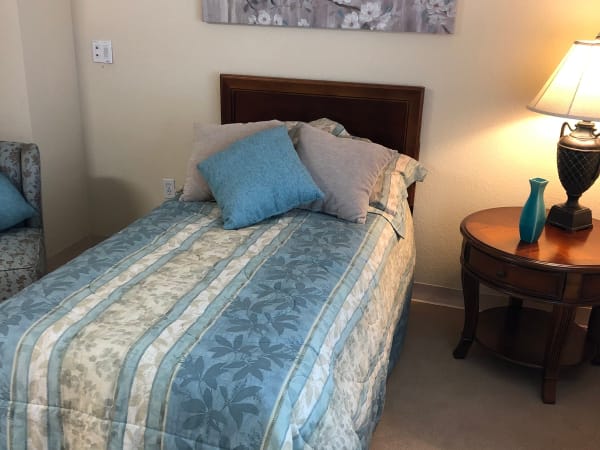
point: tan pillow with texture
(344, 169)
(208, 140)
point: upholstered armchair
(22, 251)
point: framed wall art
(423, 16)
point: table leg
(562, 317)
(470, 287)
(513, 313)
(594, 333)
(508, 340)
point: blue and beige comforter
(176, 334)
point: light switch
(102, 52)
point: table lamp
(573, 91)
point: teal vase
(533, 215)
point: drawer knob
(500, 273)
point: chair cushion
(14, 207)
(20, 162)
(20, 259)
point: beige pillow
(344, 169)
(208, 140)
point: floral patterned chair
(22, 251)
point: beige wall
(39, 102)
(479, 142)
(15, 124)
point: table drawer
(516, 278)
(590, 288)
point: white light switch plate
(102, 52)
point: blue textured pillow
(14, 209)
(258, 177)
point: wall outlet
(169, 187)
(102, 52)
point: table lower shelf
(519, 335)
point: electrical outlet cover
(169, 187)
(102, 52)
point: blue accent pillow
(258, 177)
(13, 207)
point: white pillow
(208, 140)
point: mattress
(177, 334)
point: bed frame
(387, 114)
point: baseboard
(66, 255)
(453, 298)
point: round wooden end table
(561, 269)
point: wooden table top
(498, 228)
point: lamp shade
(573, 90)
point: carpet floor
(482, 402)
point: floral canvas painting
(424, 16)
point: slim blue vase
(533, 215)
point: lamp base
(570, 218)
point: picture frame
(420, 16)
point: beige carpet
(482, 402)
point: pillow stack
(208, 140)
(256, 170)
(258, 177)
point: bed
(177, 334)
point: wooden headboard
(387, 114)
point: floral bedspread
(176, 334)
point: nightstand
(562, 270)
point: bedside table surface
(498, 228)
